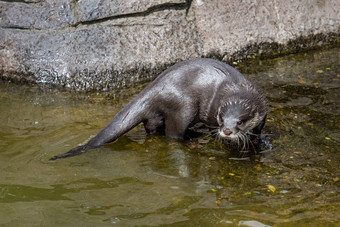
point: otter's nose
(227, 131)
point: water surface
(151, 180)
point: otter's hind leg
(153, 125)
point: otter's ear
(252, 113)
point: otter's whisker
(245, 142)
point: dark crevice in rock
(153, 9)
(188, 4)
(20, 1)
(17, 27)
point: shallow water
(151, 180)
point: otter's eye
(239, 122)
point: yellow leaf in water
(336, 179)
(328, 68)
(258, 167)
(301, 80)
(327, 138)
(213, 190)
(319, 71)
(231, 174)
(218, 202)
(271, 188)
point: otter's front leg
(257, 130)
(255, 135)
(175, 129)
(176, 124)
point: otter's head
(241, 113)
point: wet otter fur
(199, 90)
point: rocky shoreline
(105, 45)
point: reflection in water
(151, 180)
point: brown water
(151, 180)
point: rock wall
(106, 44)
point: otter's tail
(129, 117)
(73, 152)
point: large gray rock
(237, 29)
(100, 49)
(106, 44)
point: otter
(200, 90)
